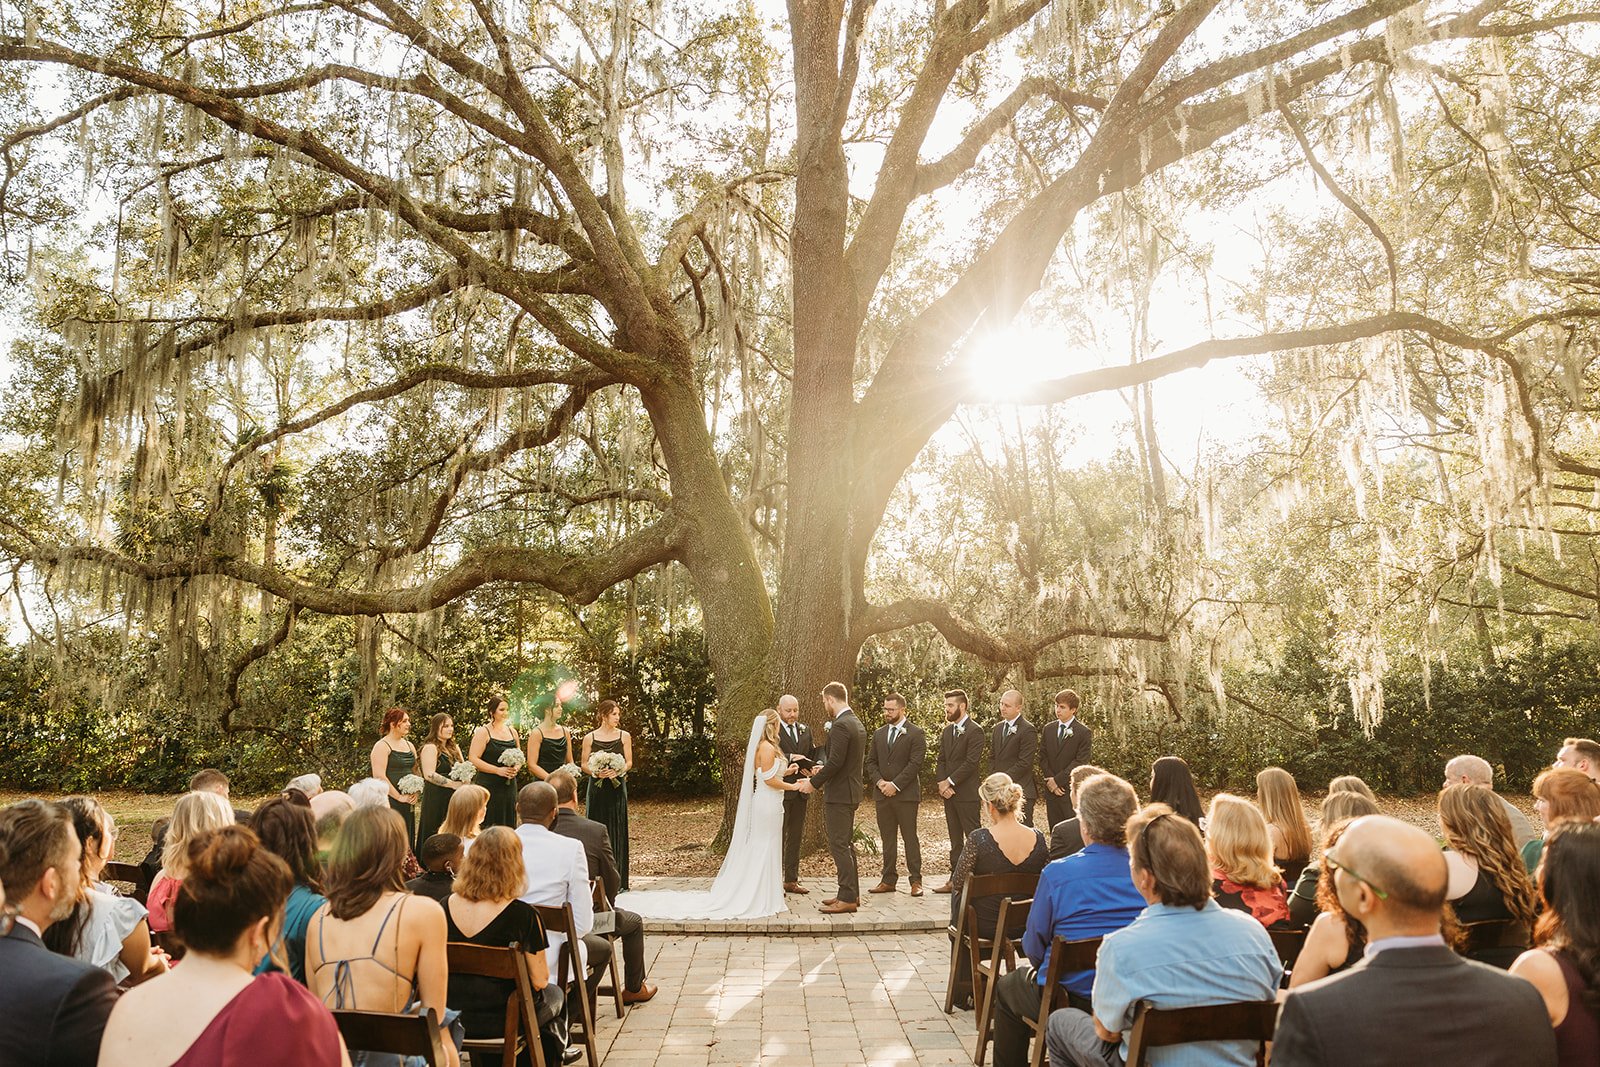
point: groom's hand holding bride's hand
(804, 786)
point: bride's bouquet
(572, 769)
(513, 757)
(462, 771)
(409, 785)
(607, 761)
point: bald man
(1014, 745)
(794, 739)
(1411, 999)
(1475, 770)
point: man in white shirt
(1475, 770)
(558, 870)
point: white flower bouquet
(409, 785)
(607, 761)
(572, 769)
(462, 771)
(513, 757)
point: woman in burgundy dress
(1565, 967)
(210, 1011)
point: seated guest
(329, 802)
(1336, 808)
(1065, 838)
(194, 815)
(1487, 879)
(309, 784)
(1475, 770)
(1243, 877)
(285, 828)
(1565, 967)
(370, 793)
(209, 780)
(373, 946)
(1580, 754)
(1349, 783)
(485, 902)
(1278, 797)
(1412, 1000)
(1087, 894)
(1172, 784)
(465, 813)
(558, 870)
(210, 1009)
(1183, 951)
(328, 827)
(104, 929)
(1335, 941)
(440, 856)
(1560, 795)
(1005, 846)
(53, 1008)
(596, 841)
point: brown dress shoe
(841, 907)
(795, 887)
(831, 900)
(946, 888)
(916, 889)
(882, 887)
(640, 995)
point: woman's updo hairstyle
(392, 717)
(1001, 793)
(232, 882)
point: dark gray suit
(53, 1009)
(1406, 1006)
(1014, 748)
(1057, 756)
(959, 758)
(596, 843)
(840, 781)
(900, 764)
(794, 801)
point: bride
(750, 883)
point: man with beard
(960, 752)
(794, 739)
(894, 769)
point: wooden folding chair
(1490, 934)
(1065, 958)
(1253, 1020)
(399, 1033)
(133, 875)
(615, 989)
(569, 973)
(1009, 927)
(522, 1018)
(1288, 943)
(963, 933)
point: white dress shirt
(558, 873)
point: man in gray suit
(839, 777)
(1411, 999)
(894, 767)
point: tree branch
(967, 637)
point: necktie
(894, 735)
(1061, 732)
(794, 734)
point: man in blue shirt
(1087, 894)
(1183, 951)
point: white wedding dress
(750, 883)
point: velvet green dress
(399, 765)
(502, 791)
(435, 800)
(607, 803)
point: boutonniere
(828, 725)
(1069, 731)
(959, 729)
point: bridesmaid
(488, 744)
(549, 743)
(393, 757)
(439, 753)
(607, 800)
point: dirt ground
(673, 836)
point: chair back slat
(401, 1034)
(1288, 943)
(132, 874)
(1065, 957)
(1155, 1028)
(569, 971)
(522, 1018)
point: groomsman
(960, 752)
(894, 767)
(794, 739)
(1015, 743)
(1064, 745)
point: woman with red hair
(1560, 795)
(393, 759)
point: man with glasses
(53, 1009)
(1411, 999)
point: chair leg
(983, 1000)
(950, 983)
(586, 1015)
(616, 979)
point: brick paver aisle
(846, 1001)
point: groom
(840, 774)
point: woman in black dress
(550, 743)
(607, 799)
(1172, 784)
(393, 757)
(1487, 879)
(489, 744)
(439, 754)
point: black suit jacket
(596, 841)
(843, 756)
(1410, 1005)
(959, 758)
(1066, 837)
(1057, 756)
(1014, 755)
(901, 765)
(806, 747)
(53, 1009)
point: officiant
(794, 740)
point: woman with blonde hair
(1487, 879)
(1560, 795)
(193, 815)
(1005, 846)
(1349, 783)
(1242, 872)
(469, 805)
(1304, 902)
(1279, 798)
